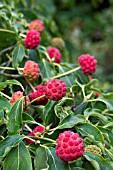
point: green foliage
(81, 110)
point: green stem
(66, 73)
(36, 99)
(47, 139)
(5, 95)
(9, 68)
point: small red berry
(31, 70)
(37, 130)
(40, 90)
(55, 89)
(69, 146)
(88, 63)
(18, 95)
(32, 39)
(37, 25)
(55, 54)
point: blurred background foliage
(85, 26)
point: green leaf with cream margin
(18, 158)
(17, 56)
(10, 82)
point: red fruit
(37, 25)
(18, 95)
(31, 70)
(55, 89)
(88, 64)
(69, 146)
(38, 130)
(32, 39)
(54, 53)
(40, 90)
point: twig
(10, 75)
(66, 73)
(8, 49)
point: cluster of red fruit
(33, 38)
(69, 145)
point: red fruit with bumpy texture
(18, 95)
(69, 146)
(37, 25)
(40, 91)
(32, 39)
(88, 64)
(31, 70)
(37, 131)
(55, 54)
(55, 89)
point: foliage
(81, 110)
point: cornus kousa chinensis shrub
(37, 93)
(31, 70)
(37, 25)
(54, 119)
(54, 54)
(32, 39)
(69, 146)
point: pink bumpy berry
(32, 39)
(55, 89)
(37, 131)
(31, 70)
(88, 63)
(37, 25)
(69, 146)
(40, 91)
(18, 95)
(55, 54)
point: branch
(11, 75)
(8, 49)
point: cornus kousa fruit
(37, 25)
(55, 89)
(54, 54)
(69, 146)
(39, 130)
(88, 64)
(39, 91)
(18, 95)
(31, 70)
(32, 39)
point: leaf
(70, 121)
(108, 134)
(48, 113)
(14, 124)
(54, 162)
(98, 162)
(70, 78)
(89, 129)
(18, 158)
(7, 38)
(28, 118)
(4, 103)
(9, 142)
(47, 69)
(17, 56)
(40, 160)
(10, 82)
(96, 113)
